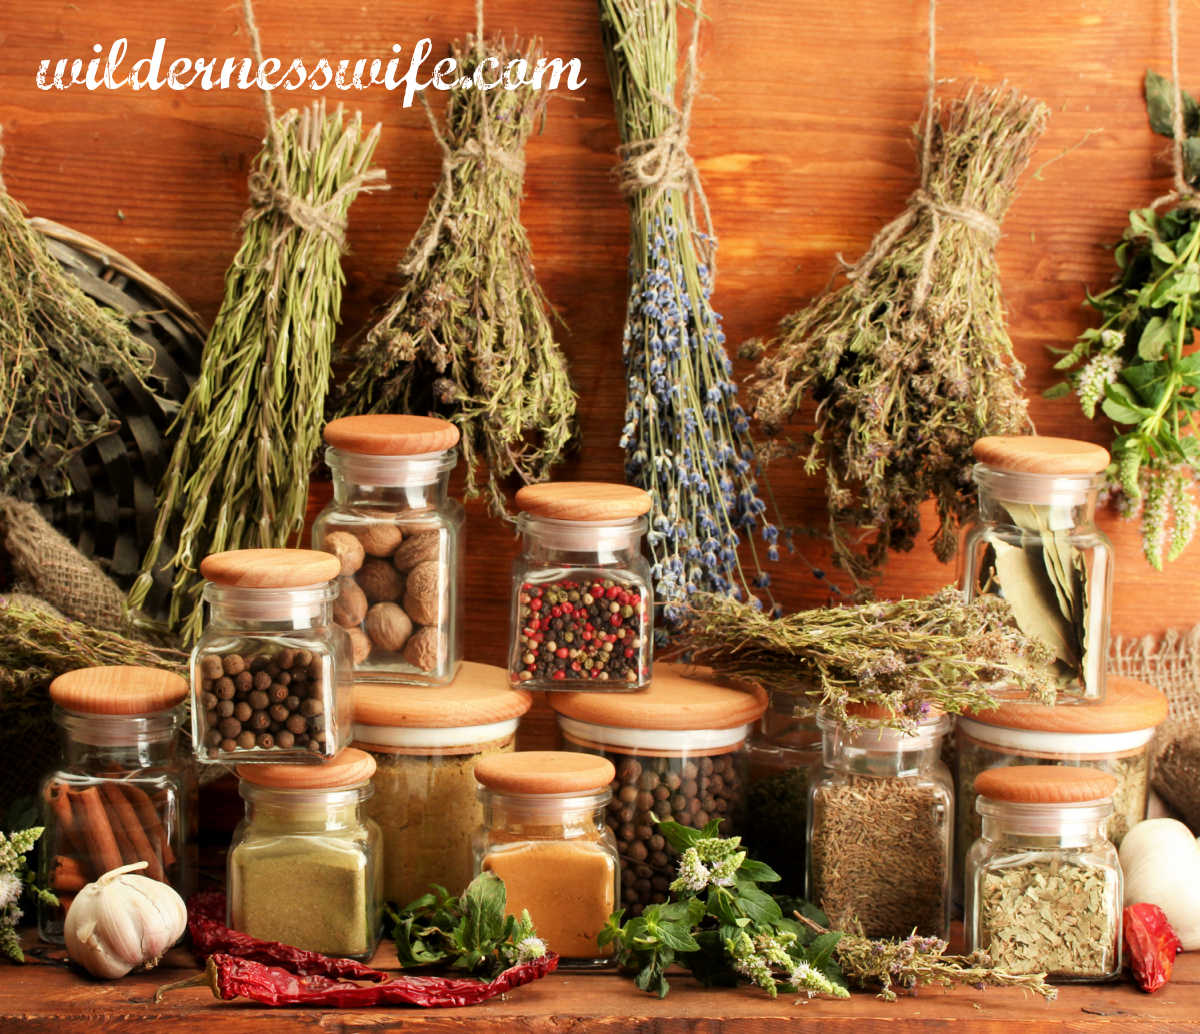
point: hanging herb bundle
(238, 476)
(910, 362)
(469, 334)
(686, 437)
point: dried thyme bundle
(238, 477)
(910, 362)
(469, 333)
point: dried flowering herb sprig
(17, 877)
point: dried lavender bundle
(469, 334)
(910, 362)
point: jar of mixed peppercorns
(582, 602)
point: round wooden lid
(391, 434)
(1045, 784)
(270, 568)
(1128, 706)
(118, 689)
(545, 771)
(680, 696)
(1040, 454)
(583, 501)
(479, 695)
(351, 767)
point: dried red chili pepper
(1150, 945)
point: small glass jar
(544, 835)
(123, 793)
(1036, 544)
(1044, 887)
(304, 867)
(426, 743)
(679, 752)
(271, 674)
(880, 823)
(399, 538)
(583, 606)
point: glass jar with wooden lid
(1036, 544)
(582, 604)
(679, 752)
(398, 536)
(426, 742)
(271, 674)
(1043, 884)
(123, 793)
(304, 866)
(544, 835)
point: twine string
(1181, 191)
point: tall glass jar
(880, 825)
(1044, 887)
(123, 793)
(583, 607)
(271, 672)
(399, 538)
(304, 867)
(426, 742)
(1036, 544)
(544, 835)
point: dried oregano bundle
(469, 333)
(910, 362)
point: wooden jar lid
(583, 501)
(1128, 706)
(1040, 454)
(118, 689)
(1045, 784)
(545, 772)
(351, 767)
(479, 695)
(270, 568)
(679, 696)
(391, 434)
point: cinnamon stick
(150, 821)
(137, 844)
(68, 836)
(97, 831)
(67, 876)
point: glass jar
(880, 821)
(1043, 886)
(583, 605)
(679, 752)
(426, 743)
(271, 672)
(544, 835)
(304, 866)
(123, 793)
(1036, 544)
(399, 538)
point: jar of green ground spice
(304, 866)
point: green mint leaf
(483, 904)
(722, 908)
(677, 937)
(1057, 391)
(759, 872)
(757, 904)
(1160, 106)
(820, 949)
(679, 837)
(1191, 159)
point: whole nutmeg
(423, 593)
(347, 548)
(360, 644)
(416, 549)
(388, 626)
(380, 581)
(350, 607)
(424, 648)
(380, 538)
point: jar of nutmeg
(397, 535)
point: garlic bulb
(123, 921)
(1161, 862)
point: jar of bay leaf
(1043, 883)
(880, 823)
(426, 742)
(1036, 544)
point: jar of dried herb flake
(1036, 544)
(880, 823)
(304, 867)
(582, 609)
(1043, 884)
(426, 742)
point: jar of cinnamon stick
(124, 792)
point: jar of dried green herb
(1036, 544)
(1044, 886)
(880, 819)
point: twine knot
(973, 218)
(329, 218)
(658, 164)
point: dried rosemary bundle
(469, 333)
(910, 362)
(238, 477)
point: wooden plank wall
(802, 133)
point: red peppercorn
(628, 651)
(560, 674)
(612, 592)
(535, 604)
(561, 652)
(615, 620)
